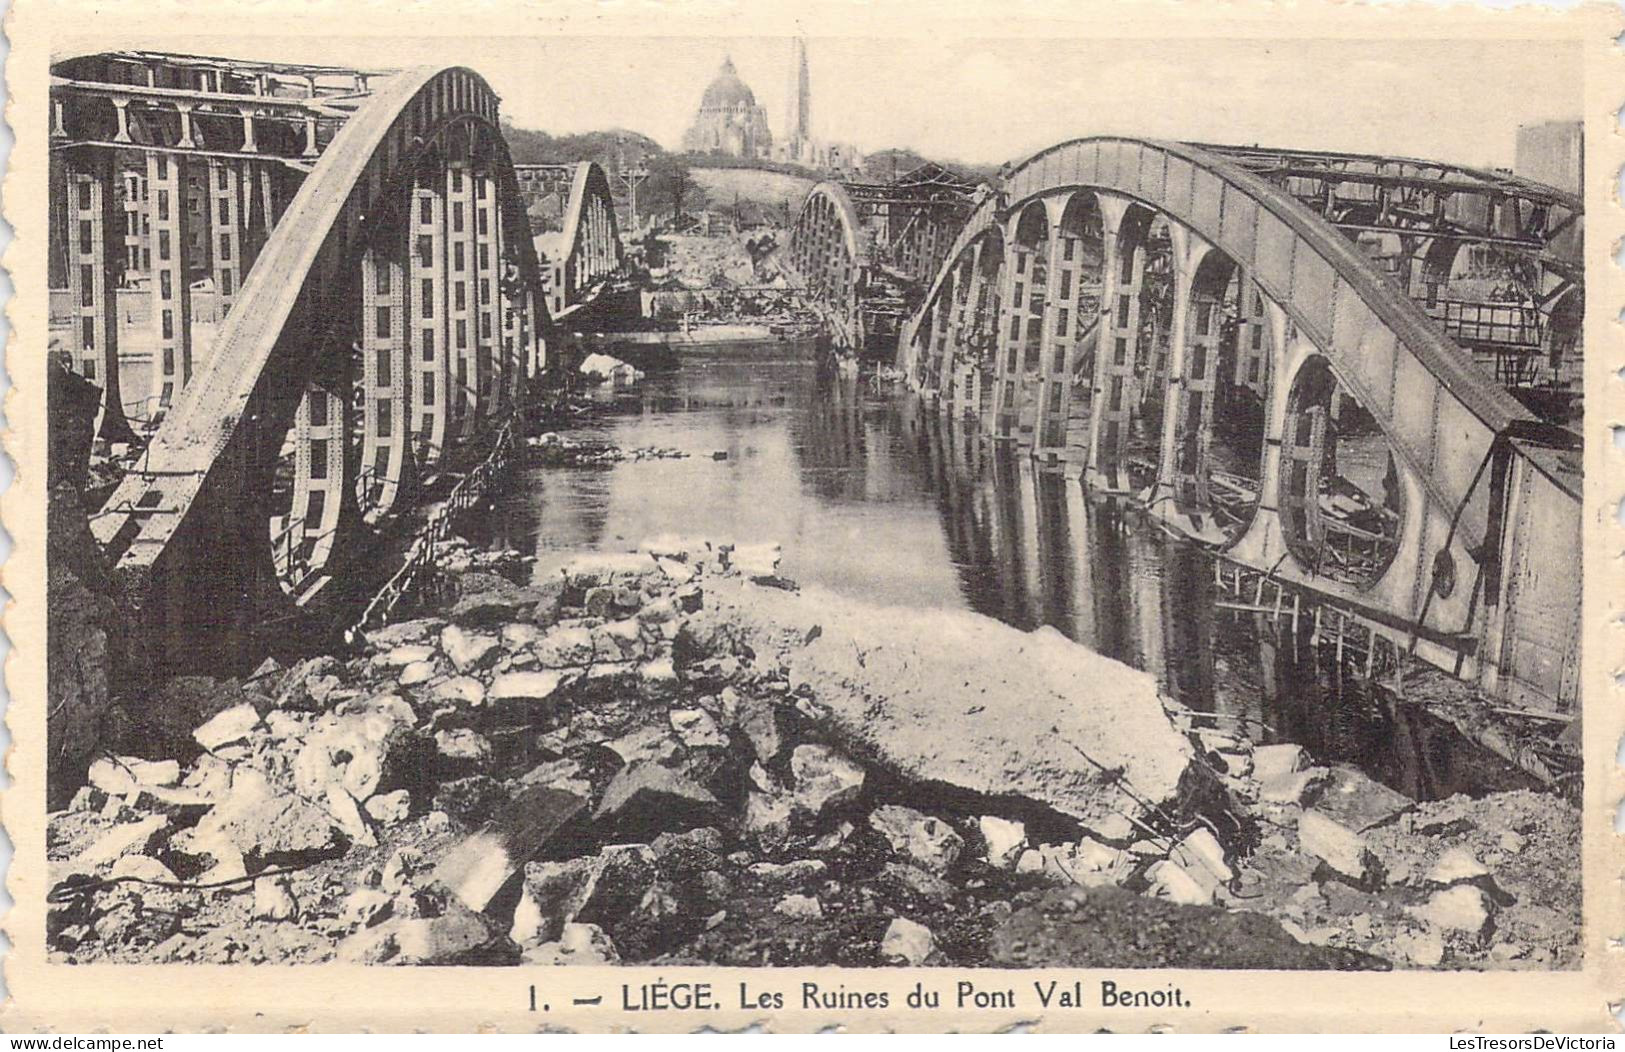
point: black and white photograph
(814, 499)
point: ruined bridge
(860, 253)
(1257, 347)
(329, 277)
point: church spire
(798, 123)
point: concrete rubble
(677, 756)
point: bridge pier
(1180, 491)
(1117, 354)
(171, 291)
(93, 279)
(386, 416)
(461, 314)
(488, 366)
(1050, 392)
(1264, 544)
(432, 395)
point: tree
(670, 184)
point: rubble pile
(1345, 862)
(556, 450)
(609, 370)
(675, 755)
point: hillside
(762, 196)
(610, 148)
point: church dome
(727, 90)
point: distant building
(1552, 152)
(798, 145)
(729, 120)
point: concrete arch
(191, 527)
(1442, 417)
(830, 256)
(590, 238)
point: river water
(875, 499)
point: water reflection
(877, 499)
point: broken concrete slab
(607, 568)
(929, 842)
(1357, 800)
(1344, 850)
(122, 775)
(1456, 865)
(273, 900)
(143, 868)
(453, 937)
(799, 907)
(554, 894)
(568, 646)
(388, 809)
(406, 654)
(824, 778)
(664, 797)
(523, 687)
(488, 600)
(697, 729)
(270, 827)
(1462, 908)
(1201, 849)
(906, 941)
(1273, 761)
(578, 945)
(468, 651)
(460, 690)
(475, 869)
(767, 819)
(232, 725)
(1292, 788)
(1004, 839)
(759, 720)
(1174, 882)
(963, 699)
(756, 560)
(126, 838)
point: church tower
(798, 123)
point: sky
(993, 100)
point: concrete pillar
(249, 145)
(534, 344)
(386, 407)
(1180, 476)
(489, 367)
(257, 210)
(121, 109)
(185, 142)
(1264, 541)
(513, 356)
(1012, 419)
(320, 442)
(461, 299)
(227, 223)
(171, 291)
(1123, 267)
(92, 273)
(431, 347)
(1252, 337)
(1050, 401)
(966, 368)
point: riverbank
(677, 755)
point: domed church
(729, 120)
